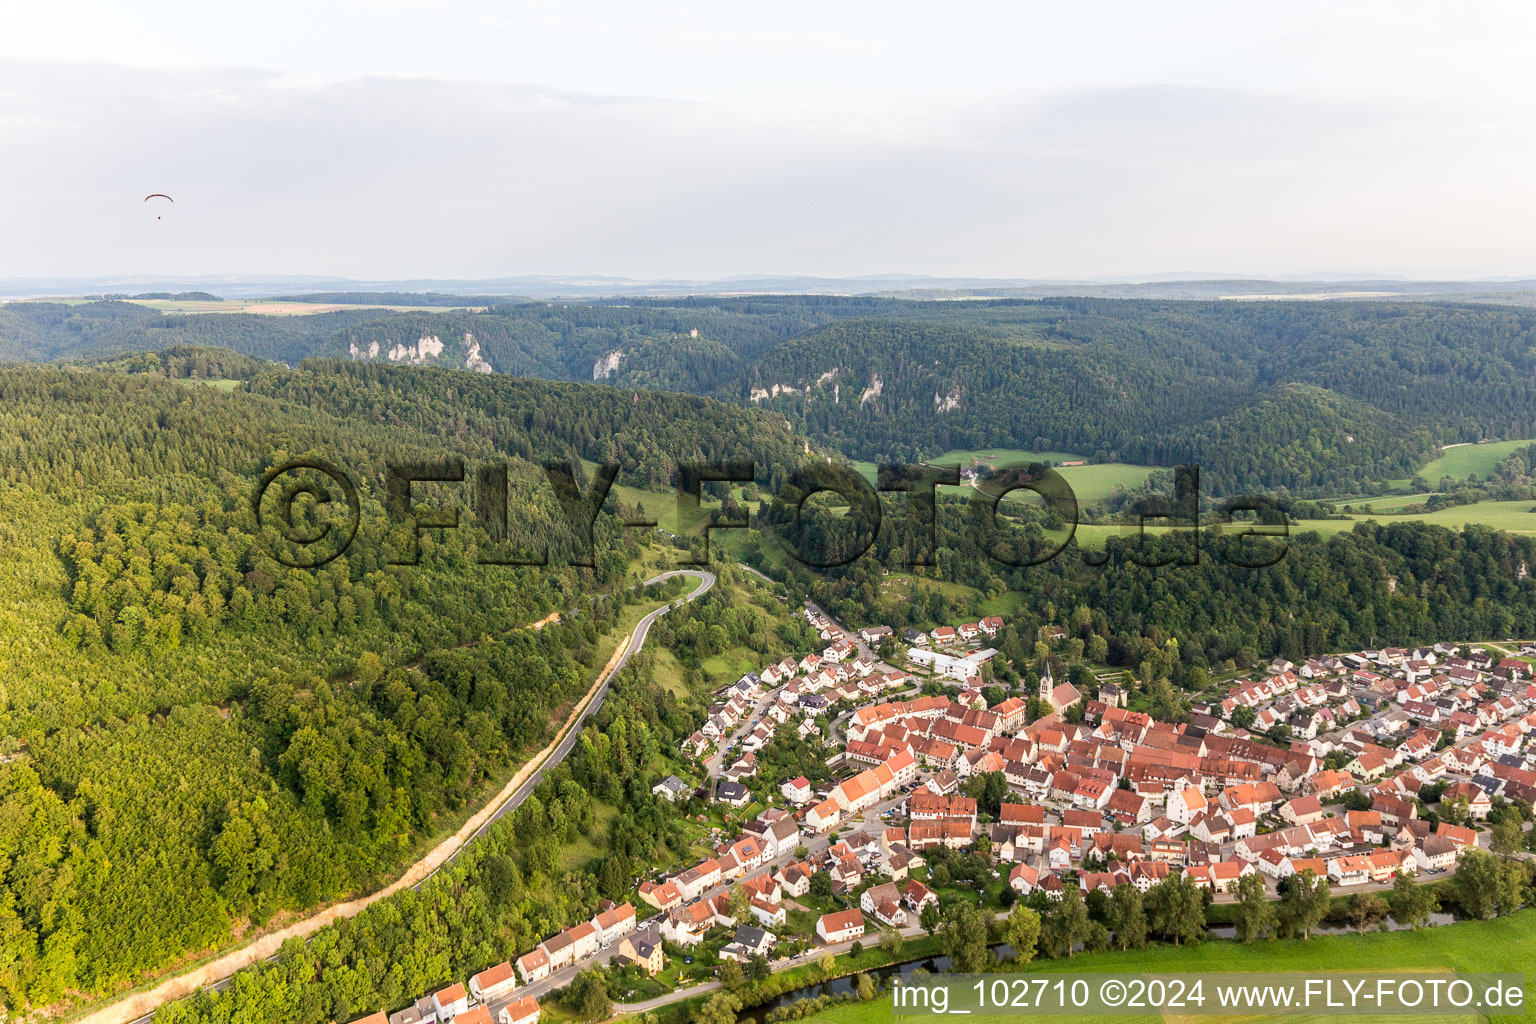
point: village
(1357, 769)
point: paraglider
(158, 195)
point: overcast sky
(409, 138)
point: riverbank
(1506, 944)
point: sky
(389, 139)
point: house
(696, 879)
(533, 966)
(1478, 804)
(795, 878)
(687, 924)
(450, 1002)
(671, 789)
(767, 913)
(583, 939)
(943, 635)
(493, 982)
(1435, 854)
(664, 896)
(824, 816)
(883, 902)
(1302, 810)
(840, 926)
(1186, 805)
(797, 790)
(748, 941)
(474, 1015)
(732, 794)
(524, 1011)
(646, 955)
(614, 922)
(419, 1012)
(1024, 879)
(917, 896)
(376, 1017)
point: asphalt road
(636, 641)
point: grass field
(1503, 945)
(1464, 460)
(1513, 516)
(1092, 483)
(1387, 504)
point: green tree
(963, 937)
(1128, 916)
(930, 917)
(1512, 883)
(720, 1008)
(1412, 904)
(1021, 930)
(1255, 914)
(1304, 903)
(1067, 923)
(1477, 884)
(1176, 909)
(589, 996)
(1506, 836)
(1366, 909)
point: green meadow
(1503, 945)
(1091, 483)
(1465, 460)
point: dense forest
(1243, 600)
(1314, 398)
(294, 735)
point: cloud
(400, 176)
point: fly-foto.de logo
(309, 511)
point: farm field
(1512, 516)
(1506, 944)
(1386, 504)
(1091, 483)
(1468, 459)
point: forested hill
(1314, 397)
(1264, 395)
(194, 737)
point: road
(636, 641)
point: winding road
(636, 641)
(139, 1007)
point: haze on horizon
(396, 139)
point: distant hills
(1313, 397)
(1165, 286)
